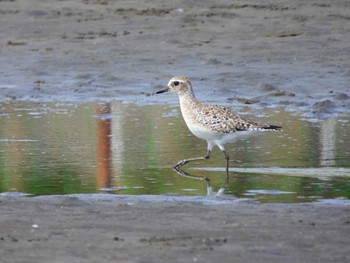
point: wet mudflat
(124, 148)
(287, 199)
(102, 228)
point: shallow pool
(119, 148)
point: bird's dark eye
(176, 83)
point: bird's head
(179, 85)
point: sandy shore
(293, 54)
(109, 228)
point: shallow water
(118, 148)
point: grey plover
(215, 124)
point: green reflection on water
(63, 148)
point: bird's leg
(183, 162)
(227, 157)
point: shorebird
(215, 124)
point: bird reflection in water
(210, 191)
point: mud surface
(104, 228)
(294, 54)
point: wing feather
(221, 119)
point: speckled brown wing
(221, 119)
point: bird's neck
(188, 102)
(187, 98)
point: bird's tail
(271, 128)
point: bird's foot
(180, 163)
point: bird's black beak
(162, 90)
